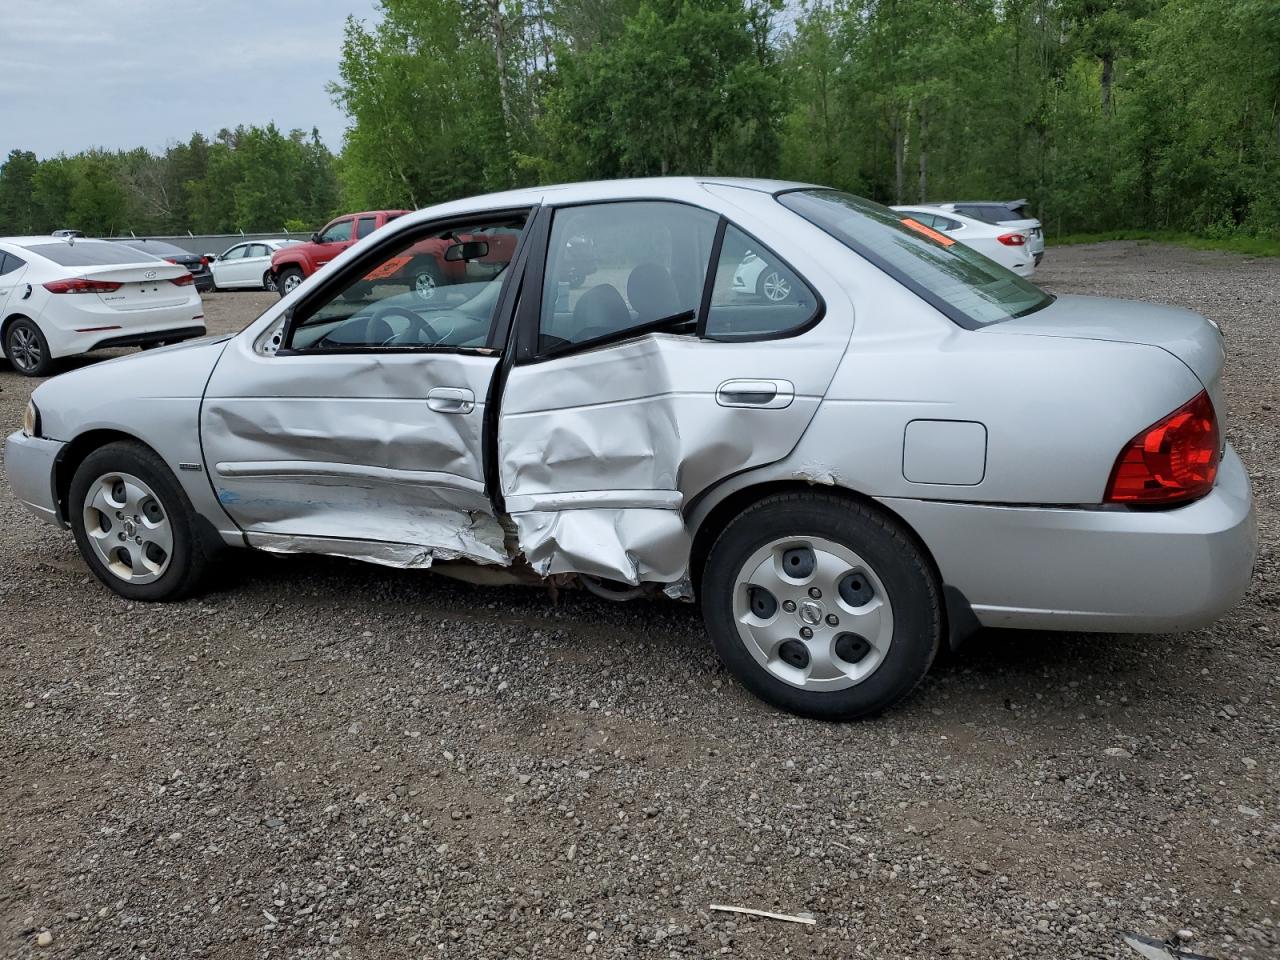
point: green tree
(19, 211)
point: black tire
(27, 348)
(887, 548)
(190, 556)
(284, 277)
(269, 282)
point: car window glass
(9, 263)
(946, 223)
(235, 253)
(366, 226)
(754, 294)
(89, 253)
(337, 233)
(435, 291)
(957, 280)
(613, 267)
(257, 250)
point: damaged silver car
(910, 443)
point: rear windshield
(157, 248)
(987, 212)
(966, 286)
(86, 253)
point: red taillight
(1012, 239)
(204, 261)
(183, 281)
(81, 285)
(1172, 461)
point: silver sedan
(912, 443)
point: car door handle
(451, 399)
(764, 394)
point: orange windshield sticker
(388, 269)
(929, 232)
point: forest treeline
(1106, 114)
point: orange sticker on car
(388, 269)
(929, 232)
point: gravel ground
(323, 759)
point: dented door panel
(348, 448)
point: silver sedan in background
(913, 442)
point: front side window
(235, 253)
(617, 267)
(754, 294)
(339, 232)
(970, 289)
(437, 290)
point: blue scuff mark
(228, 496)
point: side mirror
(212, 257)
(315, 238)
(467, 250)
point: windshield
(966, 286)
(87, 253)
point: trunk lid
(1191, 338)
(143, 286)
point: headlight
(31, 420)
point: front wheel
(822, 606)
(27, 349)
(288, 280)
(269, 282)
(134, 525)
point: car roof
(47, 238)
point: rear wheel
(134, 525)
(822, 606)
(27, 348)
(772, 285)
(288, 280)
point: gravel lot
(323, 759)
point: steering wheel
(417, 326)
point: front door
(334, 239)
(361, 434)
(670, 350)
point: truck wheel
(288, 280)
(822, 606)
(424, 278)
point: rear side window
(754, 294)
(986, 212)
(366, 226)
(617, 267)
(964, 285)
(88, 253)
(10, 263)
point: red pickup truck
(422, 267)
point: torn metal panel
(600, 450)
(633, 546)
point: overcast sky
(128, 73)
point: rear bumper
(150, 337)
(29, 463)
(1098, 570)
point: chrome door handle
(451, 399)
(763, 394)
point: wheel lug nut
(119, 515)
(789, 606)
(137, 540)
(815, 593)
(806, 633)
(833, 620)
(121, 536)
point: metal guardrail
(217, 243)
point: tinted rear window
(966, 286)
(986, 212)
(87, 253)
(157, 248)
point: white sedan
(246, 266)
(1008, 246)
(60, 297)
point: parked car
(914, 443)
(1011, 214)
(422, 268)
(195, 264)
(1005, 245)
(60, 298)
(246, 266)
(67, 232)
